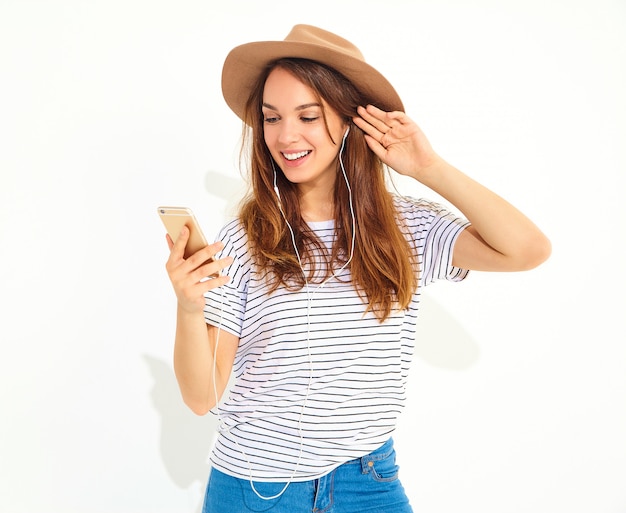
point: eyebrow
(299, 107)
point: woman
(314, 311)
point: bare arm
(195, 360)
(195, 355)
(501, 237)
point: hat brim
(245, 63)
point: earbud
(346, 133)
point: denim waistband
(376, 455)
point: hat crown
(245, 63)
(317, 36)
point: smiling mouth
(295, 156)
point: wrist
(430, 172)
(190, 312)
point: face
(295, 131)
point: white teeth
(296, 156)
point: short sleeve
(225, 306)
(434, 230)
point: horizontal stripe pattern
(317, 381)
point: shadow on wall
(186, 438)
(441, 340)
(226, 188)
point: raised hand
(396, 140)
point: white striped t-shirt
(317, 382)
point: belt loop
(367, 464)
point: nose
(287, 133)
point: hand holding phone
(188, 285)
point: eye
(309, 119)
(270, 119)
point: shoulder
(235, 240)
(408, 208)
(424, 218)
(232, 232)
(233, 236)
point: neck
(316, 206)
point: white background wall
(111, 108)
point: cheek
(269, 137)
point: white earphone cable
(309, 296)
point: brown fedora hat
(245, 63)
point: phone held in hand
(174, 218)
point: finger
(379, 150)
(212, 268)
(170, 242)
(212, 283)
(193, 294)
(395, 117)
(368, 129)
(374, 117)
(392, 120)
(205, 254)
(178, 247)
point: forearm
(194, 353)
(501, 238)
(517, 242)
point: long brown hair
(384, 266)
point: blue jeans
(368, 484)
